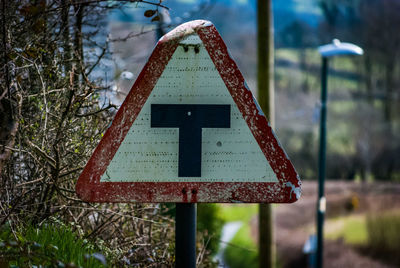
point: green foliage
(238, 212)
(242, 250)
(51, 244)
(210, 223)
(352, 229)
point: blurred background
(363, 113)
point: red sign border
(286, 190)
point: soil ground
(295, 222)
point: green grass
(294, 79)
(238, 212)
(314, 58)
(287, 54)
(341, 136)
(339, 140)
(48, 245)
(339, 84)
(340, 107)
(242, 250)
(352, 229)
(210, 223)
(344, 63)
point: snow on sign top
(189, 130)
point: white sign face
(190, 130)
(149, 154)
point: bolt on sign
(189, 130)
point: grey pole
(337, 48)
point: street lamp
(336, 48)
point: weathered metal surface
(240, 162)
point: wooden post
(265, 47)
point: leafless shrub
(55, 115)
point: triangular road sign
(189, 130)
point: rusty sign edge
(287, 190)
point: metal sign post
(185, 235)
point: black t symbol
(190, 119)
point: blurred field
(361, 228)
(349, 235)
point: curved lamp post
(336, 48)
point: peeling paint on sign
(136, 163)
(228, 154)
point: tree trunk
(389, 92)
(368, 78)
(8, 117)
(266, 99)
(66, 36)
(78, 44)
